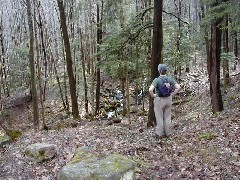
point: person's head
(162, 68)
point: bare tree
(83, 56)
(99, 41)
(39, 71)
(72, 81)
(32, 67)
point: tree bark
(226, 50)
(32, 68)
(195, 15)
(45, 62)
(206, 36)
(123, 65)
(236, 50)
(157, 45)
(58, 79)
(84, 74)
(72, 81)
(214, 66)
(99, 41)
(3, 62)
(178, 41)
(39, 72)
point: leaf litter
(203, 145)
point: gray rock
(41, 151)
(87, 164)
(4, 139)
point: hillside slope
(203, 145)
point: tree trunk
(214, 66)
(226, 50)
(195, 15)
(91, 60)
(58, 79)
(72, 81)
(178, 68)
(123, 63)
(206, 36)
(123, 89)
(65, 107)
(84, 74)
(99, 41)
(3, 62)
(32, 68)
(189, 38)
(39, 70)
(235, 50)
(157, 45)
(45, 63)
(66, 90)
(127, 93)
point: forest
(74, 89)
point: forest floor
(203, 145)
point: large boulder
(41, 151)
(87, 164)
(4, 138)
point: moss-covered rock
(41, 151)
(87, 164)
(14, 134)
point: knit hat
(162, 68)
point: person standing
(163, 89)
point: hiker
(163, 89)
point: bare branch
(174, 15)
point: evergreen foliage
(127, 40)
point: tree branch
(174, 15)
(142, 14)
(136, 34)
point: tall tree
(68, 56)
(83, 56)
(237, 60)
(178, 6)
(157, 45)
(99, 41)
(43, 50)
(32, 67)
(39, 71)
(1, 62)
(213, 64)
(226, 50)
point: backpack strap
(162, 80)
